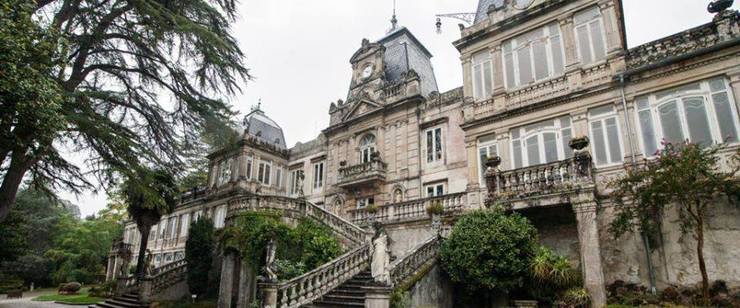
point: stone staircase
(130, 300)
(348, 294)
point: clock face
(367, 71)
(522, 4)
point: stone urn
(493, 161)
(578, 143)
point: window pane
(696, 117)
(438, 143)
(509, 63)
(725, 117)
(551, 147)
(586, 15)
(601, 110)
(612, 134)
(517, 146)
(717, 84)
(557, 55)
(567, 135)
(487, 79)
(540, 60)
(648, 133)
(598, 40)
(478, 80)
(584, 44)
(599, 147)
(430, 154)
(430, 191)
(524, 65)
(670, 123)
(440, 190)
(482, 156)
(533, 151)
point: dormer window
(367, 148)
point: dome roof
(258, 125)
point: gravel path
(26, 301)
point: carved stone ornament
(718, 6)
(578, 143)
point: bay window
(434, 145)
(482, 75)
(533, 56)
(702, 112)
(541, 143)
(606, 141)
(588, 27)
(486, 148)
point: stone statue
(299, 182)
(270, 260)
(380, 265)
(148, 266)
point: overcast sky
(299, 51)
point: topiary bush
(489, 251)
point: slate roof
(399, 58)
(257, 124)
(481, 13)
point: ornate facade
(539, 75)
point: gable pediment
(361, 107)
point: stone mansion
(536, 74)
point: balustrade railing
(414, 209)
(394, 90)
(372, 168)
(407, 265)
(168, 275)
(310, 286)
(539, 179)
(302, 207)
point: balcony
(411, 210)
(546, 184)
(362, 174)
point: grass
(83, 298)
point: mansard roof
(400, 59)
(260, 126)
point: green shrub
(286, 269)
(400, 299)
(489, 250)
(435, 208)
(199, 256)
(576, 298)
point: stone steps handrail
(298, 206)
(414, 209)
(404, 267)
(168, 275)
(310, 286)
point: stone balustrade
(404, 267)
(310, 286)
(394, 90)
(297, 207)
(168, 275)
(541, 179)
(126, 284)
(410, 210)
(373, 170)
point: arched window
(367, 147)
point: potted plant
(578, 143)
(435, 208)
(493, 161)
(372, 209)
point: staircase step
(343, 298)
(332, 304)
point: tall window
(173, 228)
(279, 177)
(606, 143)
(225, 172)
(363, 202)
(486, 148)
(318, 175)
(250, 162)
(482, 75)
(263, 173)
(542, 142)
(294, 181)
(367, 148)
(434, 144)
(184, 224)
(435, 190)
(533, 56)
(590, 35)
(702, 112)
(220, 216)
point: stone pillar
(227, 281)
(111, 269)
(269, 296)
(377, 296)
(588, 240)
(145, 290)
(247, 285)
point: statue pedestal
(377, 296)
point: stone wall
(433, 290)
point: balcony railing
(540, 180)
(373, 170)
(409, 210)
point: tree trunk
(19, 164)
(702, 264)
(144, 230)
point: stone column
(110, 270)
(247, 285)
(269, 296)
(588, 240)
(227, 281)
(377, 296)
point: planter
(493, 161)
(435, 208)
(579, 143)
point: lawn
(78, 299)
